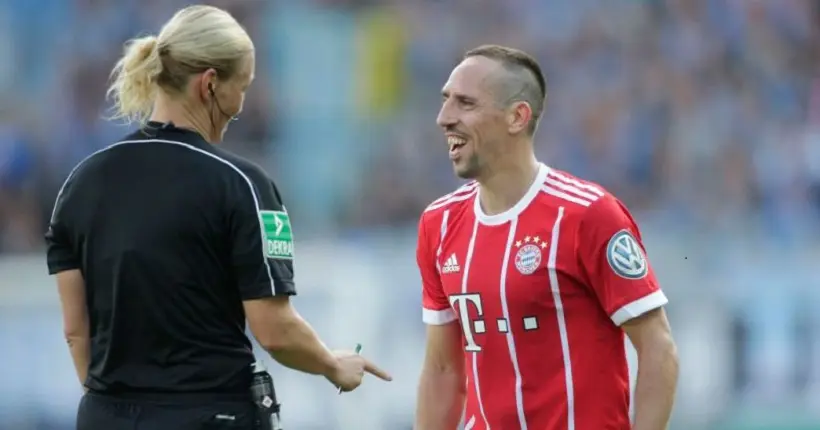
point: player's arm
(262, 255)
(657, 369)
(64, 263)
(442, 385)
(613, 256)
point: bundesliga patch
(626, 257)
(278, 234)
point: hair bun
(147, 47)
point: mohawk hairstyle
(526, 81)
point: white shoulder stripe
(195, 149)
(562, 195)
(571, 189)
(577, 183)
(443, 232)
(460, 190)
(74, 170)
(457, 198)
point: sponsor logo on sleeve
(626, 257)
(278, 234)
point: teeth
(454, 141)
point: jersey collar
(169, 131)
(518, 208)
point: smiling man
(531, 277)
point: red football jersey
(540, 292)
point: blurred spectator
(702, 115)
(702, 110)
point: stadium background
(703, 115)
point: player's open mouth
(455, 143)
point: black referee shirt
(171, 235)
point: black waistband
(184, 398)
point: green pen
(357, 351)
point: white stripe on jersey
(460, 190)
(455, 198)
(470, 423)
(444, 218)
(251, 187)
(447, 315)
(571, 189)
(467, 262)
(562, 320)
(579, 184)
(519, 394)
(562, 195)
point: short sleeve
(61, 252)
(614, 258)
(436, 307)
(261, 241)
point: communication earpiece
(216, 101)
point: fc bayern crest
(528, 257)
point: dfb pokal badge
(528, 257)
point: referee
(163, 245)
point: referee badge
(278, 234)
(626, 257)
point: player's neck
(506, 184)
(183, 117)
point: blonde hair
(195, 39)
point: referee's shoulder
(192, 144)
(254, 172)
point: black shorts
(98, 412)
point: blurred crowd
(53, 107)
(702, 115)
(703, 110)
(699, 112)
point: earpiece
(216, 101)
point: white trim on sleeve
(440, 317)
(639, 307)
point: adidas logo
(451, 265)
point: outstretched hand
(351, 369)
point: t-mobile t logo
(461, 302)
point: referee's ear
(207, 84)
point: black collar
(169, 131)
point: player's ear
(518, 117)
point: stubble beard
(471, 168)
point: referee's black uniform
(171, 235)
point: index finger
(375, 371)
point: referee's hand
(350, 370)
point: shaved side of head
(519, 79)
